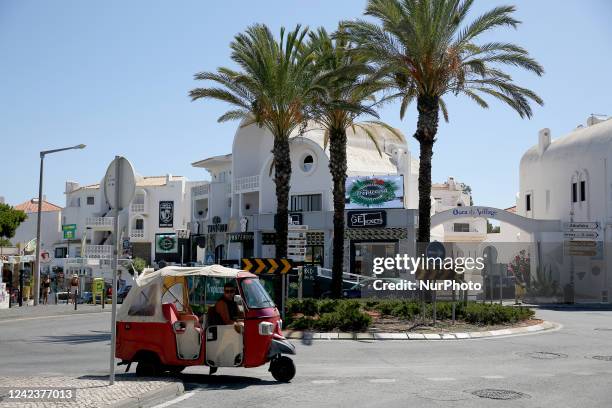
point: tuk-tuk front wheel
(282, 369)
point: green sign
(69, 231)
(97, 286)
(166, 244)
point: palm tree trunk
(282, 179)
(337, 168)
(427, 127)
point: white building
(234, 212)
(570, 179)
(160, 211)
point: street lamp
(40, 189)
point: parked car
(122, 293)
(85, 297)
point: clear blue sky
(115, 75)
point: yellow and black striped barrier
(268, 266)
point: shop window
(461, 227)
(90, 200)
(574, 192)
(583, 190)
(61, 252)
(306, 202)
(139, 224)
(528, 202)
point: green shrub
(307, 307)
(346, 316)
(329, 305)
(406, 310)
(301, 323)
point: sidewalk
(94, 391)
(28, 312)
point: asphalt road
(360, 374)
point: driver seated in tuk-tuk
(226, 310)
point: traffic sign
(435, 249)
(120, 172)
(581, 225)
(278, 266)
(580, 234)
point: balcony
(137, 234)
(137, 208)
(201, 190)
(246, 184)
(99, 251)
(100, 223)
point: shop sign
(217, 228)
(366, 219)
(375, 192)
(69, 231)
(166, 244)
(166, 214)
(240, 236)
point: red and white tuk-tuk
(158, 328)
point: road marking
(176, 400)
(22, 319)
(583, 373)
(493, 377)
(325, 381)
(441, 379)
(382, 380)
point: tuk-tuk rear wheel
(147, 368)
(282, 369)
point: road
(360, 374)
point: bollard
(76, 298)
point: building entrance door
(363, 254)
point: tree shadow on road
(221, 382)
(94, 337)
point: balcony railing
(137, 208)
(100, 222)
(137, 233)
(99, 251)
(246, 184)
(200, 190)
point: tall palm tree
(270, 89)
(426, 51)
(347, 92)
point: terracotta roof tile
(31, 206)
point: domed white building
(570, 179)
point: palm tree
(425, 50)
(270, 90)
(346, 93)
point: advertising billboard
(374, 192)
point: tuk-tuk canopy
(166, 285)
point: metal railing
(244, 184)
(346, 276)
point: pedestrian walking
(74, 286)
(46, 288)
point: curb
(541, 327)
(151, 398)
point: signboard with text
(69, 231)
(166, 214)
(366, 219)
(374, 192)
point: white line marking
(441, 379)
(382, 380)
(583, 373)
(324, 381)
(176, 400)
(493, 377)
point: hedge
(350, 315)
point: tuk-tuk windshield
(255, 295)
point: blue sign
(210, 259)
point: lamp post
(40, 190)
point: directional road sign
(278, 266)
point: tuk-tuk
(160, 330)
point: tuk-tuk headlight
(266, 328)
